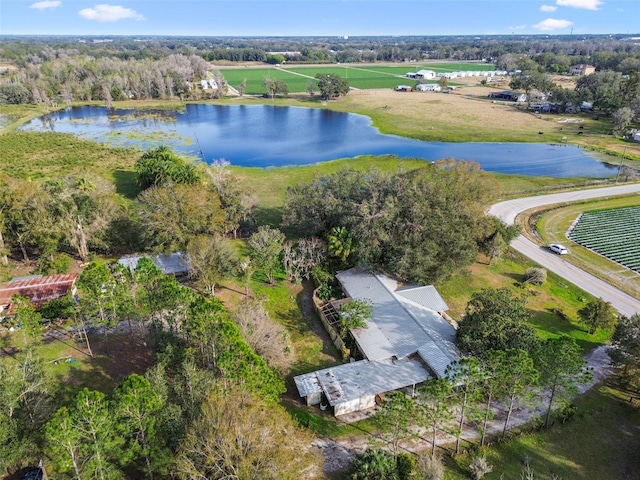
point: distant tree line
(603, 51)
(67, 69)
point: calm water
(264, 136)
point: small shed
(38, 289)
(428, 87)
(176, 264)
(403, 88)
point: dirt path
(339, 452)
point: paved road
(507, 211)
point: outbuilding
(39, 289)
(175, 264)
(428, 87)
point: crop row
(613, 233)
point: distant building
(403, 88)
(509, 95)
(38, 289)
(423, 74)
(428, 87)
(582, 69)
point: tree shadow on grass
(126, 184)
(311, 322)
(128, 354)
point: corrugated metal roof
(399, 325)
(171, 264)
(307, 384)
(39, 289)
(402, 334)
(355, 380)
(427, 296)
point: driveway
(507, 212)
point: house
(406, 342)
(635, 136)
(509, 95)
(38, 289)
(403, 88)
(424, 74)
(428, 87)
(175, 264)
(204, 84)
(582, 69)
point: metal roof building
(354, 386)
(406, 341)
(38, 289)
(172, 264)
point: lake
(270, 136)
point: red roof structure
(39, 289)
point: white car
(559, 249)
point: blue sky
(317, 17)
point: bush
(537, 276)
(406, 465)
(52, 265)
(430, 468)
(373, 464)
(479, 467)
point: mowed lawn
(358, 76)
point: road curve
(507, 212)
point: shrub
(430, 468)
(537, 276)
(479, 467)
(406, 465)
(51, 265)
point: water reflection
(266, 135)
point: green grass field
(361, 77)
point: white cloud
(109, 13)
(552, 24)
(586, 4)
(517, 27)
(46, 4)
(548, 8)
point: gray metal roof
(391, 331)
(355, 380)
(399, 325)
(172, 264)
(427, 296)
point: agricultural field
(613, 233)
(552, 226)
(359, 76)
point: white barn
(428, 87)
